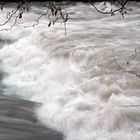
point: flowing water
(87, 80)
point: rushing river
(86, 80)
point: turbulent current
(87, 80)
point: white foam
(83, 91)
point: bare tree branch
(130, 106)
(126, 71)
(55, 15)
(122, 9)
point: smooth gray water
(18, 121)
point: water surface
(86, 80)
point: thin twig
(126, 71)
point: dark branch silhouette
(53, 14)
(112, 12)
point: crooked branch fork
(53, 14)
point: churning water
(86, 80)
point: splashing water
(80, 78)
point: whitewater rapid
(80, 78)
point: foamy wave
(83, 91)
